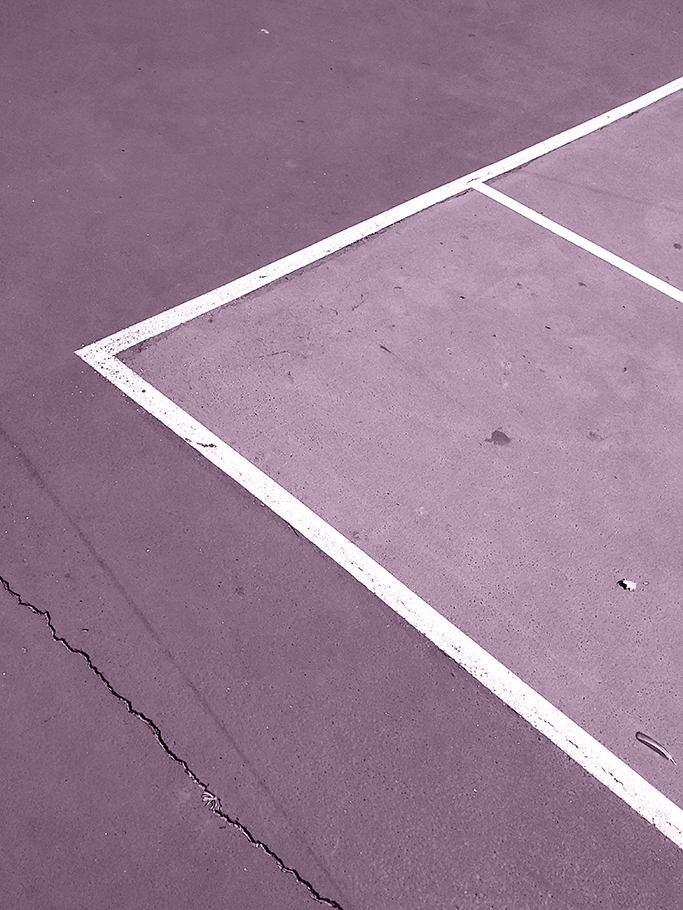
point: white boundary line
(178, 315)
(540, 713)
(588, 245)
(602, 764)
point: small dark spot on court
(499, 438)
(677, 246)
(582, 284)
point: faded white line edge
(591, 755)
(579, 745)
(587, 245)
(184, 312)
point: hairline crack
(211, 801)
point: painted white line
(588, 245)
(629, 786)
(543, 716)
(178, 315)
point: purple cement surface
(152, 152)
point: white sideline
(543, 716)
(588, 245)
(540, 713)
(184, 312)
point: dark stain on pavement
(499, 438)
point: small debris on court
(655, 746)
(626, 584)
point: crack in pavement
(211, 801)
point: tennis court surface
(343, 455)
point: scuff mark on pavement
(204, 445)
(292, 528)
(211, 801)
